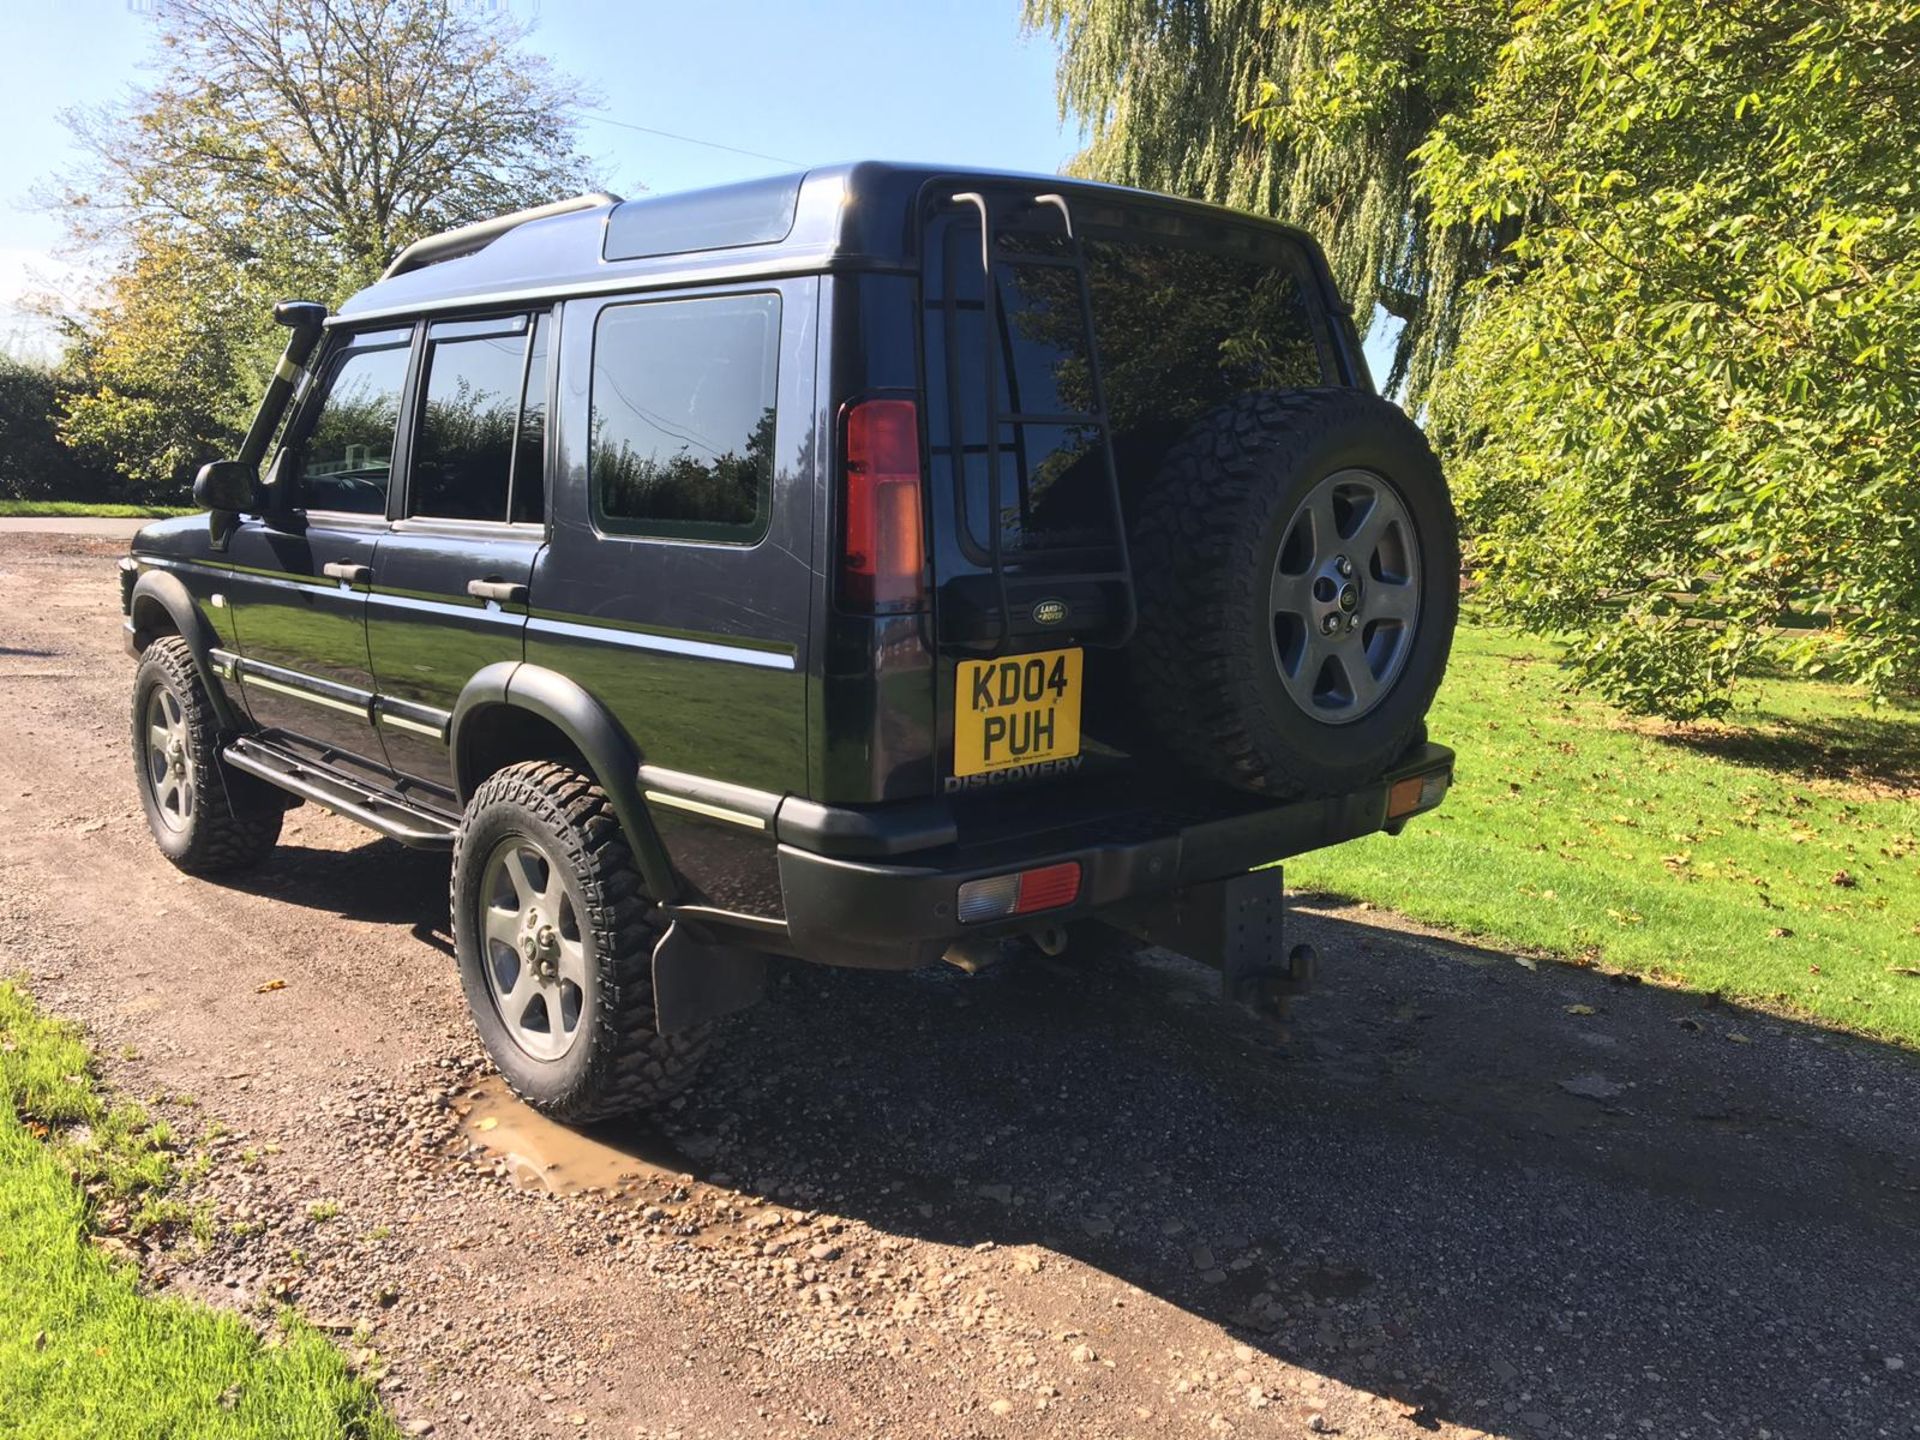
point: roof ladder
(1016, 419)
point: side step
(383, 813)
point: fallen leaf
(1581, 1010)
(486, 1124)
(1737, 1038)
(270, 985)
(1843, 879)
(1904, 970)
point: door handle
(352, 574)
(505, 591)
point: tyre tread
(1198, 566)
(239, 829)
(632, 1066)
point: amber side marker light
(1417, 793)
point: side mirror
(225, 485)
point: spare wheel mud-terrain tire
(1297, 568)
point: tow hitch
(1237, 926)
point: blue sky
(928, 80)
(954, 81)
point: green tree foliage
(1660, 264)
(34, 464)
(285, 148)
(1309, 112)
(1682, 416)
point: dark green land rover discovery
(871, 565)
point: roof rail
(451, 244)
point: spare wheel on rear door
(1297, 568)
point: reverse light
(1021, 893)
(883, 552)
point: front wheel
(206, 818)
(555, 938)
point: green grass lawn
(1774, 858)
(66, 508)
(83, 1352)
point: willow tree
(284, 147)
(1310, 112)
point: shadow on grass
(1883, 754)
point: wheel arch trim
(611, 756)
(170, 594)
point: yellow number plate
(1016, 711)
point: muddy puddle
(541, 1155)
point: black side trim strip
(307, 687)
(714, 799)
(421, 719)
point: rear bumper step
(386, 814)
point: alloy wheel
(535, 956)
(170, 772)
(1345, 596)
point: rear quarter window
(681, 400)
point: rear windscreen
(1182, 325)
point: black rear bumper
(898, 911)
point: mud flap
(697, 979)
(1236, 925)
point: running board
(384, 814)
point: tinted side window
(682, 403)
(347, 457)
(463, 449)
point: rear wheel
(1297, 566)
(206, 818)
(555, 941)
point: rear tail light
(1021, 893)
(883, 552)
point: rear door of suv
(449, 589)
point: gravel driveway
(1078, 1198)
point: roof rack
(452, 244)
